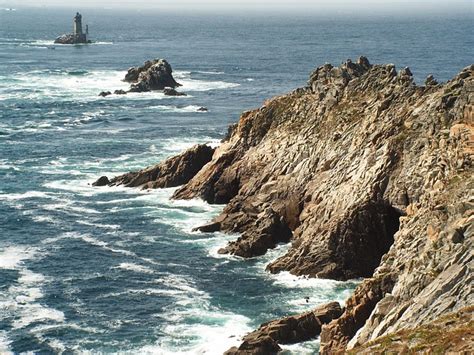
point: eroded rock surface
(172, 172)
(288, 330)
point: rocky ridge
(173, 172)
(367, 175)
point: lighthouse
(77, 36)
(77, 25)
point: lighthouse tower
(77, 24)
(79, 36)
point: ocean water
(116, 270)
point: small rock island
(77, 37)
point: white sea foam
(306, 348)
(32, 313)
(185, 109)
(190, 84)
(12, 257)
(192, 320)
(42, 219)
(209, 72)
(25, 195)
(134, 268)
(61, 85)
(20, 300)
(98, 225)
(5, 343)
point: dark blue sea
(116, 270)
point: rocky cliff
(367, 175)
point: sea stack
(78, 36)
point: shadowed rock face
(288, 330)
(153, 75)
(172, 172)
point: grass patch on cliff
(453, 332)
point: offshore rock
(153, 75)
(105, 93)
(102, 181)
(71, 39)
(172, 172)
(288, 330)
(172, 92)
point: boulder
(120, 92)
(172, 92)
(105, 93)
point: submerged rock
(102, 181)
(172, 92)
(172, 172)
(288, 330)
(202, 109)
(105, 93)
(153, 75)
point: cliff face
(367, 175)
(360, 164)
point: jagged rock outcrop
(367, 175)
(288, 330)
(172, 172)
(153, 75)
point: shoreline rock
(172, 92)
(172, 172)
(366, 174)
(288, 330)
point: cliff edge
(367, 175)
